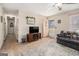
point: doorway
(11, 23)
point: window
(74, 22)
(51, 23)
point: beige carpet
(42, 47)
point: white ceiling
(45, 9)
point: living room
(37, 30)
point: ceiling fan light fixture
(59, 6)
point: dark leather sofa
(68, 39)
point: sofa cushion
(69, 40)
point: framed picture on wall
(30, 20)
(59, 21)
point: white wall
(16, 27)
(23, 29)
(45, 27)
(65, 21)
(1, 29)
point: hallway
(9, 44)
(9, 41)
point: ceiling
(45, 9)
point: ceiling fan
(59, 5)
